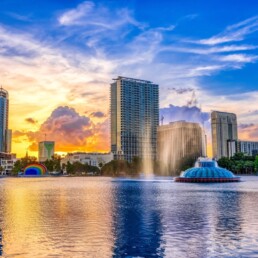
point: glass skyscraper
(4, 113)
(134, 118)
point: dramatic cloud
(70, 130)
(73, 58)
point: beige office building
(179, 145)
(224, 134)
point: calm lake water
(102, 217)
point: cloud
(181, 90)
(205, 50)
(73, 62)
(19, 17)
(235, 32)
(70, 130)
(189, 114)
(241, 58)
(31, 120)
(89, 13)
(244, 126)
(98, 114)
(248, 132)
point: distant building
(7, 161)
(224, 134)
(92, 159)
(247, 147)
(134, 118)
(9, 141)
(180, 144)
(4, 119)
(46, 150)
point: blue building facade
(4, 112)
(134, 118)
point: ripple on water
(101, 217)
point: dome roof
(207, 172)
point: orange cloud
(70, 131)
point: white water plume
(147, 153)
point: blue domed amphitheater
(207, 171)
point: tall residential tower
(224, 134)
(134, 118)
(5, 134)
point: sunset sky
(58, 57)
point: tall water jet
(147, 152)
(179, 145)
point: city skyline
(58, 59)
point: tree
(256, 164)
(224, 162)
(53, 164)
(1, 169)
(249, 166)
(19, 165)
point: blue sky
(65, 53)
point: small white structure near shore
(7, 161)
(92, 159)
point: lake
(105, 217)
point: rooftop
(131, 79)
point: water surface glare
(104, 217)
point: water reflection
(98, 217)
(227, 223)
(138, 230)
(1, 245)
(44, 217)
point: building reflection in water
(98, 217)
(137, 220)
(185, 222)
(228, 220)
(169, 220)
(57, 217)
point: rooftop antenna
(162, 119)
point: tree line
(240, 163)
(54, 164)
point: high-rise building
(224, 134)
(46, 150)
(134, 118)
(9, 141)
(4, 118)
(179, 145)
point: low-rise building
(92, 159)
(248, 147)
(7, 162)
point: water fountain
(147, 161)
(207, 171)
